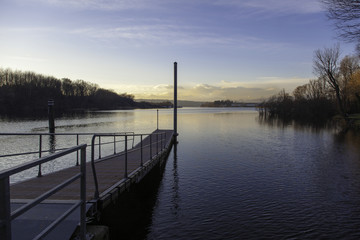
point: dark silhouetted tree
(27, 93)
(326, 66)
(346, 16)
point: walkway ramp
(31, 223)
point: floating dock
(106, 179)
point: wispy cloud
(276, 6)
(99, 4)
(279, 6)
(269, 82)
(169, 35)
(147, 28)
(156, 34)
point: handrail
(53, 150)
(6, 216)
(126, 151)
(64, 134)
(49, 134)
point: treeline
(309, 109)
(24, 93)
(218, 103)
(335, 92)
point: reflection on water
(70, 127)
(139, 121)
(175, 198)
(235, 176)
(131, 215)
(52, 143)
(238, 178)
(303, 126)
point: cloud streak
(151, 30)
(275, 6)
(278, 6)
(98, 4)
(170, 35)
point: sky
(242, 50)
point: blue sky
(225, 49)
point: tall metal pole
(175, 99)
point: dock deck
(110, 170)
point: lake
(234, 176)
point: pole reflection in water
(175, 187)
(52, 143)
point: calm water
(234, 176)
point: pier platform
(106, 179)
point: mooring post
(40, 151)
(175, 99)
(51, 116)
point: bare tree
(316, 89)
(348, 66)
(300, 92)
(346, 15)
(326, 65)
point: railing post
(126, 155)
(157, 143)
(83, 195)
(133, 140)
(40, 150)
(141, 151)
(99, 147)
(114, 144)
(77, 152)
(96, 194)
(162, 144)
(5, 221)
(150, 147)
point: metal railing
(53, 149)
(154, 145)
(6, 216)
